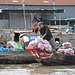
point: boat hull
(16, 57)
(59, 59)
(51, 58)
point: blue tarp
(32, 37)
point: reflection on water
(36, 69)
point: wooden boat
(48, 58)
(16, 57)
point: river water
(36, 69)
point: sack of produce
(11, 43)
(39, 40)
(41, 46)
(60, 51)
(33, 43)
(69, 51)
(48, 47)
(67, 45)
(45, 42)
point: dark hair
(33, 11)
(57, 39)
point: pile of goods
(67, 45)
(40, 43)
(67, 49)
(11, 46)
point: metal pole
(59, 19)
(10, 26)
(23, 5)
(54, 12)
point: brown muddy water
(36, 69)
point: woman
(35, 27)
(25, 40)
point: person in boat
(45, 33)
(35, 21)
(34, 17)
(3, 41)
(35, 27)
(25, 40)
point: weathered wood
(16, 57)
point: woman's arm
(22, 40)
(44, 35)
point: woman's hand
(43, 35)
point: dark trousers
(52, 44)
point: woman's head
(36, 23)
(40, 24)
